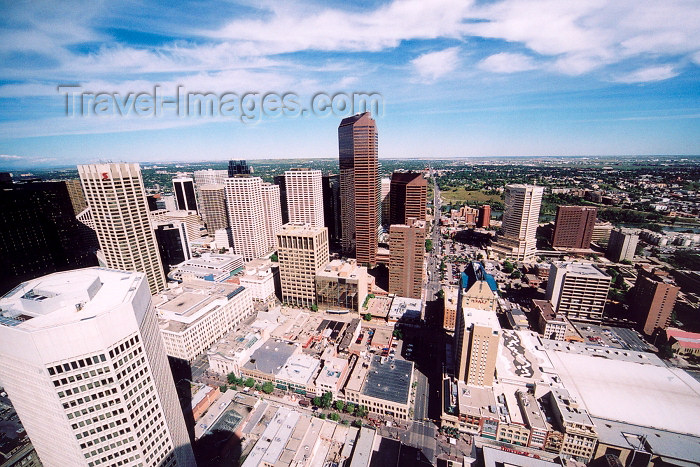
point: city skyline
(486, 79)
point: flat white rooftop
(66, 297)
(581, 269)
(481, 318)
(630, 388)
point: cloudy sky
(458, 78)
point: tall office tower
(359, 186)
(622, 244)
(385, 201)
(117, 200)
(238, 168)
(654, 298)
(77, 197)
(39, 233)
(172, 244)
(577, 290)
(520, 222)
(407, 249)
(185, 198)
(209, 177)
(476, 346)
(246, 214)
(573, 227)
(85, 368)
(304, 196)
(272, 213)
(331, 206)
(212, 205)
(279, 180)
(302, 251)
(484, 219)
(152, 201)
(409, 194)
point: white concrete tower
(304, 196)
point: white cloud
(9, 157)
(644, 75)
(434, 65)
(505, 62)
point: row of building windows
(76, 364)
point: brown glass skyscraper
(408, 197)
(573, 227)
(359, 186)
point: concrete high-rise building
(77, 197)
(246, 213)
(331, 206)
(654, 298)
(209, 177)
(386, 201)
(622, 244)
(173, 244)
(302, 251)
(359, 186)
(272, 213)
(477, 335)
(578, 290)
(117, 200)
(212, 204)
(407, 249)
(573, 227)
(484, 219)
(409, 194)
(238, 168)
(40, 234)
(304, 196)
(185, 197)
(520, 221)
(85, 368)
(601, 233)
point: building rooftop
(474, 272)
(581, 269)
(345, 269)
(481, 318)
(271, 356)
(299, 229)
(569, 408)
(388, 379)
(299, 369)
(405, 308)
(627, 386)
(475, 400)
(545, 308)
(378, 307)
(67, 297)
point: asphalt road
(420, 410)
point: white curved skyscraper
(82, 360)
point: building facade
(331, 207)
(304, 196)
(578, 290)
(477, 337)
(573, 227)
(212, 204)
(622, 244)
(173, 244)
(117, 201)
(520, 221)
(654, 298)
(185, 196)
(259, 277)
(408, 197)
(272, 213)
(85, 368)
(341, 286)
(302, 251)
(407, 249)
(484, 219)
(359, 186)
(246, 213)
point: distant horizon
(4, 168)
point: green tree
(334, 416)
(357, 423)
(367, 316)
(316, 401)
(516, 274)
(441, 294)
(314, 307)
(326, 399)
(339, 405)
(428, 245)
(223, 388)
(231, 378)
(322, 416)
(361, 411)
(268, 387)
(398, 333)
(346, 423)
(274, 257)
(249, 383)
(350, 408)
(508, 267)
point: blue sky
(458, 78)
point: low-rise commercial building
(211, 267)
(406, 310)
(259, 277)
(580, 435)
(382, 385)
(342, 286)
(234, 350)
(550, 324)
(195, 314)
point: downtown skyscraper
(304, 196)
(359, 186)
(520, 221)
(117, 200)
(85, 367)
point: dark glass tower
(238, 168)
